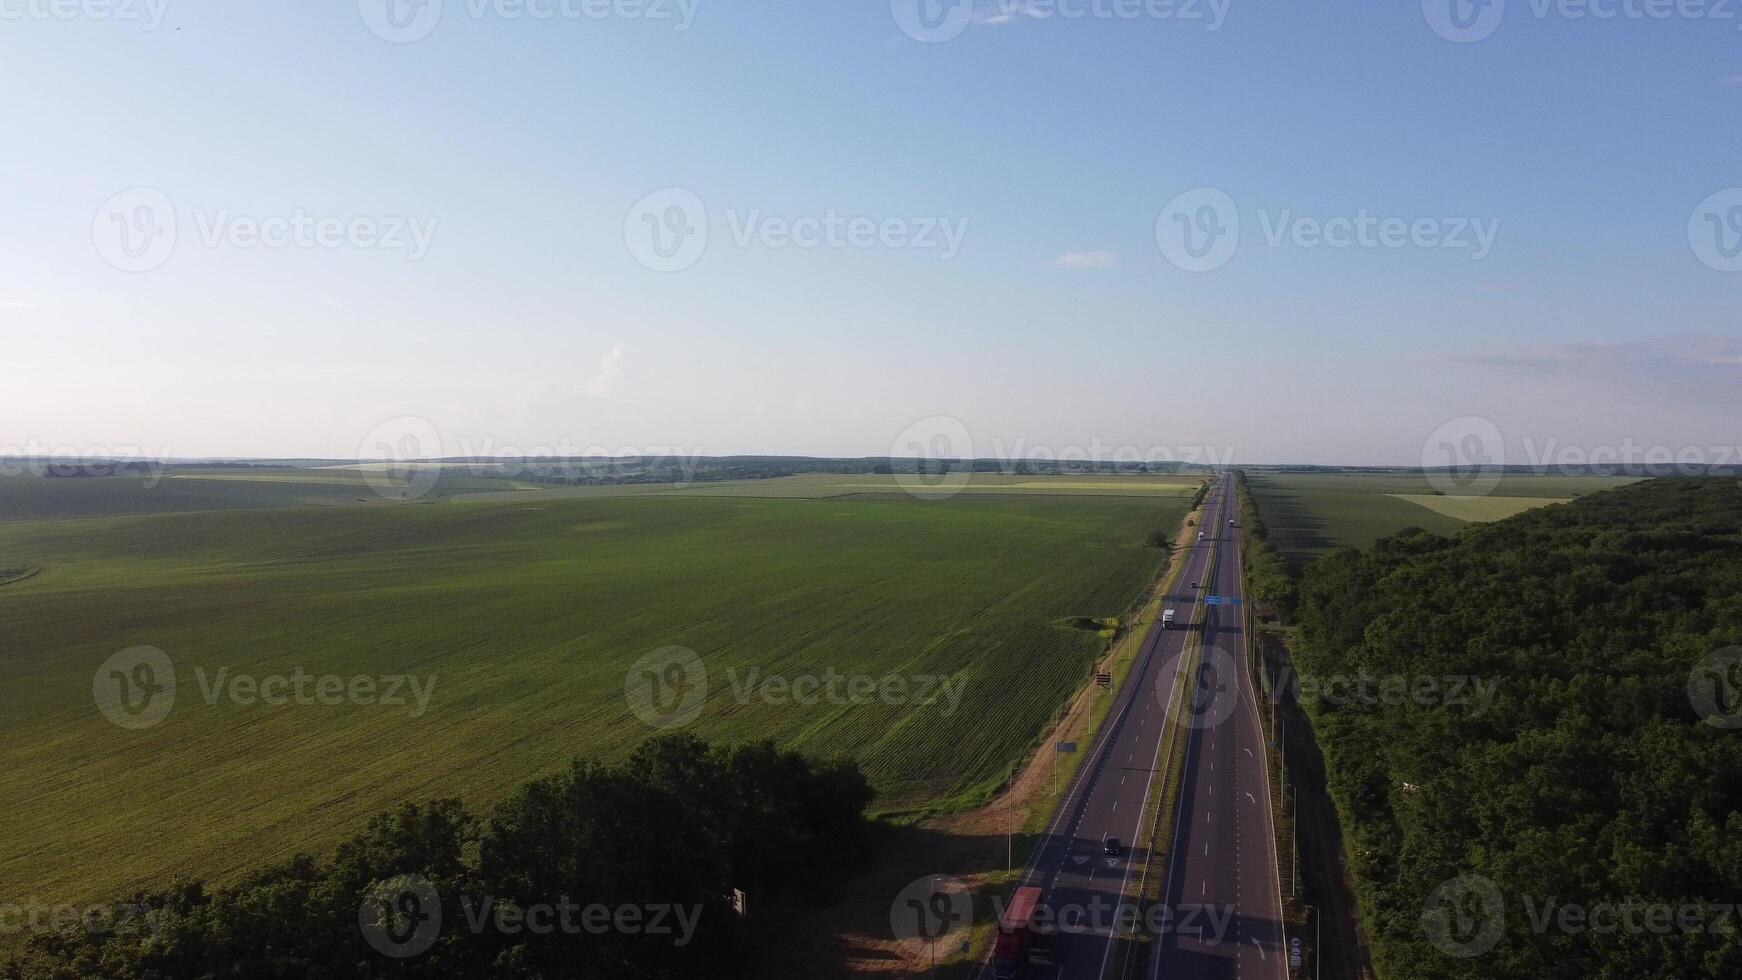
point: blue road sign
(1217, 600)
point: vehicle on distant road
(1023, 940)
(1112, 847)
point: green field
(185, 489)
(528, 613)
(812, 486)
(1309, 513)
(1479, 510)
(182, 489)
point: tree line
(631, 870)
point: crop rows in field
(527, 616)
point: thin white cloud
(1679, 358)
(10, 304)
(610, 372)
(1735, 79)
(1087, 260)
(1009, 11)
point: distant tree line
(1267, 572)
(1595, 781)
(600, 871)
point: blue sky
(523, 147)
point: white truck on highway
(1167, 618)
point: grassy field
(1479, 509)
(525, 614)
(1309, 513)
(814, 486)
(182, 489)
(186, 489)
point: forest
(1585, 824)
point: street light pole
(934, 945)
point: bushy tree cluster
(563, 879)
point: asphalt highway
(1222, 917)
(1223, 882)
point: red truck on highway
(1022, 939)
